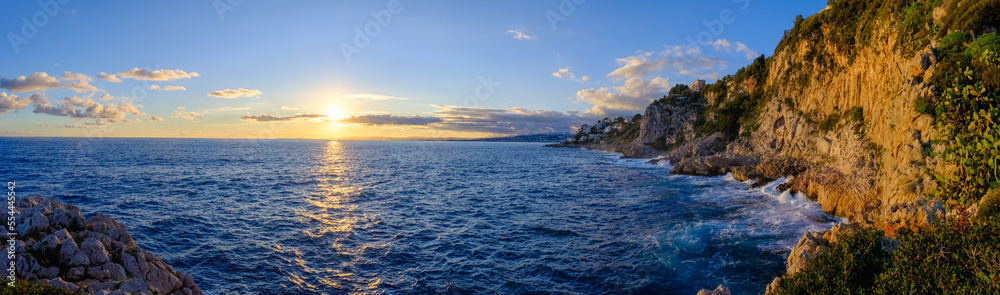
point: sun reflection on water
(332, 218)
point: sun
(334, 113)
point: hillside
(885, 113)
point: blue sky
(416, 69)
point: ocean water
(338, 217)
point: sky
(362, 69)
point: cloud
(153, 119)
(272, 118)
(67, 76)
(520, 35)
(167, 88)
(506, 121)
(642, 83)
(14, 102)
(186, 115)
(725, 45)
(677, 58)
(566, 73)
(110, 78)
(85, 108)
(387, 119)
(157, 75)
(234, 93)
(41, 81)
(367, 96)
(229, 109)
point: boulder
(95, 251)
(813, 244)
(912, 215)
(133, 285)
(162, 281)
(720, 290)
(36, 222)
(58, 282)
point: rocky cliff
(859, 104)
(55, 245)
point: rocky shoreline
(821, 184)
(55, 245)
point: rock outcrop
(57, 246)
(720, 290)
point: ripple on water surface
(333, 217)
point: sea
(249, 216)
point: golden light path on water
(332, 220)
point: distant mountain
(550, 137)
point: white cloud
(520, 35)
(110, 78)
(166, 88)
(41, 81)
(229, 109)
(157, 75)
(187, 115)
(271, 118)
(737, 47)
(153, 119)
(388, 119)
(234, 93)
(67, 76)
(506, 121)
(13, 102)
(642, 83)
(85, 108)
(566, 73)
(367, 96)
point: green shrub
(850, 267)
(857, 116)
(959, 257)
(989, 206)
(25, 287)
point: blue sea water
(337, 217)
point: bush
(850, 267)
(989, 206)
(958, 257)
(25, 287)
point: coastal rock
(816, 243)
(95, 251)
(133, 285)
(921, 213)
(49, 244)
(720, 290)
(704, 166)
(96, 256)
(773, 286)
(63, 284)
(36, 222)
(162, 281)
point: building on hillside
(697, 85)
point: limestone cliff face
(852, 117)
(872, 163)
(666, 124)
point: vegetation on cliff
(960, 255)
